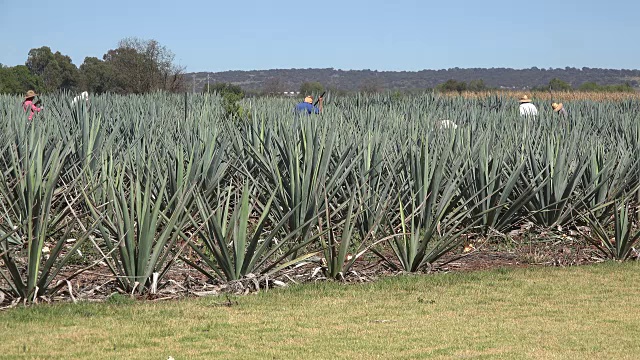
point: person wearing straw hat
(28, 104)
(526, 107)
(307, 106)
(559, 108)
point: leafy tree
(589, 86)
(311, 88)
(56, 70)
(130, 71)
(52, 76)
(231, 95)
(140, 66)
(224, 88)
(592, 86)
(38, 59)
(477, 85)
(452, 85)
(397, 95)
(165, 74)
(18, 79)
(626, 87)
(68, 75)
(556, 84)
(6, 80)
(96, 75)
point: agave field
(152, 182)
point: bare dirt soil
(99, 284)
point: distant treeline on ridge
(356, 80)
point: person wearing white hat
(526, 107)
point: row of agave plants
(145, 178)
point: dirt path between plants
(98, 284)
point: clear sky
(347, 34)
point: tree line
(140, 66)
(276, 87)
(135, 66)
(371, 80)
(554, 84)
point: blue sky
(347, 34)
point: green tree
(592, 86)
(477, 85)
(589, 86)
(96, 75)
(311, 88)
(69, 76)
(6, 80)
(38, 59)
(18, 79)
(452, 85)
(223, 88)
(231, 95)
(140, 66)
(626, 87)
(164, 73)
(556, 84)
(56, 70)
(129, 69)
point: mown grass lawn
(590, 312)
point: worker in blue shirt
(307, 106)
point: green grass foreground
(588, 312)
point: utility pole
(194, 83)
(207, 82)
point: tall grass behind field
(144, 177)
(549, 96)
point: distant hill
(350, 80)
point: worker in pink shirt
(28, 104)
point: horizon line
(415, 71)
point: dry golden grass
(557, 95)
(544, 313)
